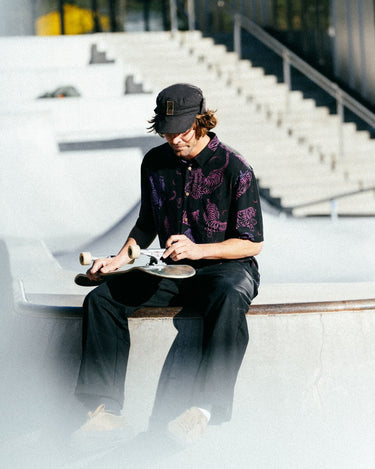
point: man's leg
(105, 335)
(222, 293)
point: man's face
(185, 144)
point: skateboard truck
(134, 252)
(155, 255)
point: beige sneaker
(102, 431)
(189, 426)
(102, 421)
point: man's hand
(106, 265)
(181, 247)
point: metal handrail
(343, 99)
(332, 200)
(290, 58)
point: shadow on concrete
(39, 360)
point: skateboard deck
(155, 267)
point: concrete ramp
(304, 395)
(59, 197)
(35, 199)
(49, 51)
(94, 81)
(64, 198)
(67, 198)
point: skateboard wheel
(134, 251)
(85, 258)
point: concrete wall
(353, 23)
(260, 11)
(304, 396)
(16, 17)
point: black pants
(221, 294)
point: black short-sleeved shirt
(211, 198)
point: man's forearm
(231, 249)
(180, 247)
(141, 236)
(136, 236)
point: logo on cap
(170, 108)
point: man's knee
(238, 287)
(92, 297)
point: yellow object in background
(77, 21)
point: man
(201, 199)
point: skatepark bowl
(70, 183)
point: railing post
(173, 14)
(62, 16)
(191, 15)
(237, 35)
(340, 113)
(287, 78)
(333, 204)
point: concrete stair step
(365, 175)
(320, 134)
(266, 84)
(286, 150)
(36, 52)
(357, 160)
(327, 125)
(363, 144)
(329, 149)
(299, 184)
(297, 115)
(362, 204)
(291, 175)
(274, 103)
(151, 38)
(314, 190)
(228, 69)
(300, 198)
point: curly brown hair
(202, 125)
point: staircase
(294, 154)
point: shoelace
(99, 410)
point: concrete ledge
(67, 306)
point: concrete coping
(62, 306)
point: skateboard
(155, 266)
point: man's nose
(176, 139)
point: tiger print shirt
(210, 198)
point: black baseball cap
(176, 108)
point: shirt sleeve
(246, 213)
(144, 231)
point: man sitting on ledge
(201, 199)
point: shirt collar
(202, 158)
